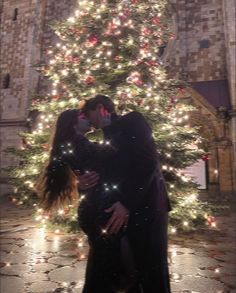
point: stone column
(229, 9)
(225, 167)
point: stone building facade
(203, 53)
(24, 34)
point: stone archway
(215, 130)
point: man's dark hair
(92, 103)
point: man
(142, 188)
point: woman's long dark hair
(58, 185)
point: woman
(110, 265)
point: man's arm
(143, 157)
(143, 160)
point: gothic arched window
(15, 14)
(6, 81)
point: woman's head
(57, 184)
(69, 123)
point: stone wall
(24, 36)
(204, 51)
(199, 50)
(229, 10)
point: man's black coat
(143, 191)
(142, 185)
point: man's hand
(119, 218)
(88, 180)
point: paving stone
(11, 284)
(194, 261)
(15, 269)
(182, 250)
(8, 247)
(68, 253)
(63, 261)
(5, 240)
(15, 258)
(229, 280)
(43, 287)
(213, 273)
(35, 277)
(184, 269)
(66, 274)
(3, 254)
(198, 284)
(227, 257)
(43, 267)
(228, 268)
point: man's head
(98, 108)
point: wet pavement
(33, 259)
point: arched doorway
(215, 129)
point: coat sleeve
(82, 154)
(144, 161)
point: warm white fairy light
(174, 253)
(213, 224)
(64, 72)
(38, 218)
(62, 104)
(173, 230)
(71, 19)
(61, 212)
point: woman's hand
(119, 218)
(87, 180)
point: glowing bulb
(173, 230)
(61, 212)
(71, 19)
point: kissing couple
(124, 212)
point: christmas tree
(113, 47)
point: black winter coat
(142, 187)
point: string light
(173, 230)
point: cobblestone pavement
(33, 260)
